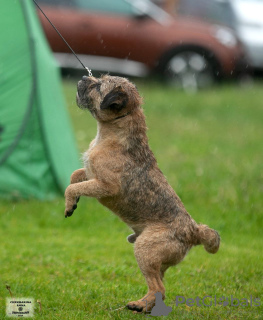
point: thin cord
(89, 71)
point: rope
(89, 71)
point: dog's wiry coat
(121, 171)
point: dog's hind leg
(149, 254)
(164, 267)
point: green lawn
(209, 146)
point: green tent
(37, 148)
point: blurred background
(189, 44)
(184, 45)
(198, 65)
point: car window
(112, 6)
(209, 10)
(63, 3)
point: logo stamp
(20, 307)
(209, 301)
(160, 309)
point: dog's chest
(87, 157)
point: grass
(209, 145)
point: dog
(121, 171)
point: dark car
(135, 37)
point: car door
(108, 28)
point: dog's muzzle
(82, 99)
(83, 88)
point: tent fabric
(37, 148)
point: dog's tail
(209, 238)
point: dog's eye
(92, 86)
(95, 86)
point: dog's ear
(117, 99)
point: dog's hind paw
(132, 238)
(140, 306)
(134, 307)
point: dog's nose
(84, 78)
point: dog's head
(108, 98)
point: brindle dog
(121, 171)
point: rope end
(89, 71)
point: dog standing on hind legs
(121, 171)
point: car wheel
(190, 71)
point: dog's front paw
(69, 213)
(71, 201)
